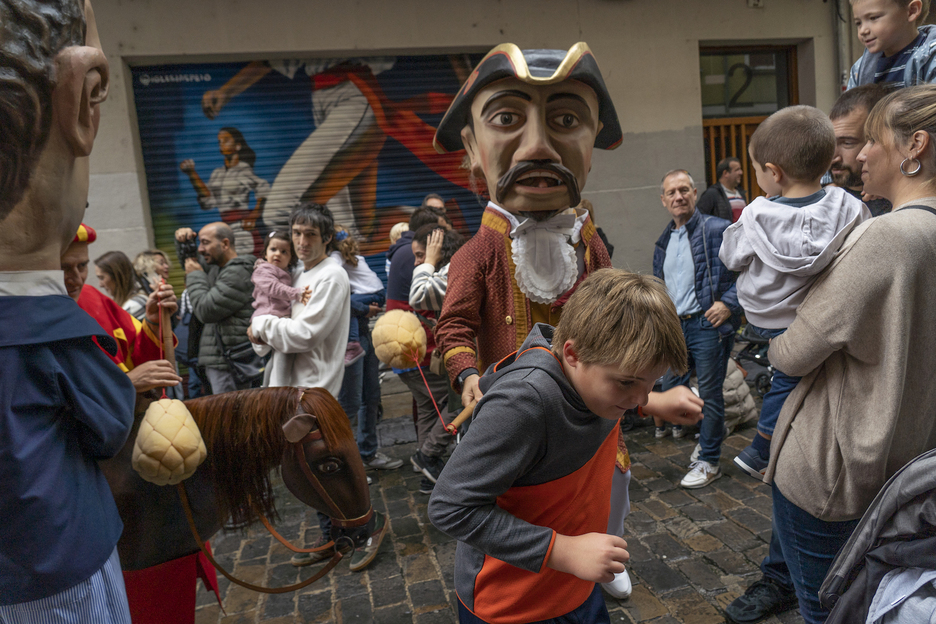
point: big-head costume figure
(65, 403)
(529, 121)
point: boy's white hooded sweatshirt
(780, 249)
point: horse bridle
(345, 542)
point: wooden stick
(459, 420)
(165, 322)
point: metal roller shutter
(354, 134)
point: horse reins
(336, 558)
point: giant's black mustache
(510, 178)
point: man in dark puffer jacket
(221, 293)
(703, 289)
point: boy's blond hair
(924, 10)
(798, 139)
(397, 231)
(623, 319)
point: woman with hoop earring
(865, 346)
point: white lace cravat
(545, 261)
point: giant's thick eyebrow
(503, 94)
(562, 96)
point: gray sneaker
(381, 462)
(304, 559)
(364, 555)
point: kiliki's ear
(81, 81)
(471, 147)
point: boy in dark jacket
(527, 492)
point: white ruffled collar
(543, 253)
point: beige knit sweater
(864, 341)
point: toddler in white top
(367, 291)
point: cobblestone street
(692, 551)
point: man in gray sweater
(221, 294)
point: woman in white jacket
(433, 247)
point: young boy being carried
(899, 51)
(782, 242)
(527, 491)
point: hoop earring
(910, 174)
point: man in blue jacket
(65, 404)
(686, 259)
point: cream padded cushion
(169, 446)
(397, 334)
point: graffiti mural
(246, 142)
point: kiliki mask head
(529, 120)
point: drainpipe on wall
(841, 13)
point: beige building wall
(648, 51)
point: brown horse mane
(244, 437)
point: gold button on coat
(509, 320)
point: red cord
(161, 354)
(415, 356)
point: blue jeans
(592, 611)
(781, 386)
(708, 355)
(802, 549)
(360, 394)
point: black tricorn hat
(535, 67)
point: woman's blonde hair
(345, 244)
(623, 319)
(145, 264)
(902, 113)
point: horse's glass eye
(329, 466)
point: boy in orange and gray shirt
(527, 492)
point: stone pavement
(692, 551)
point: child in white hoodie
(782, 242)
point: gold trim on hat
(515, 54)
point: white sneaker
(695, 453)
(620, 587)
(701, 473)
(381, 462)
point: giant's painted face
(519, 132)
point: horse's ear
(299, 427)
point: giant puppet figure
(529, 120)
(64, 403)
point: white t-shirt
(308, 348)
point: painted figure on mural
(229, 188)
(336, 165)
